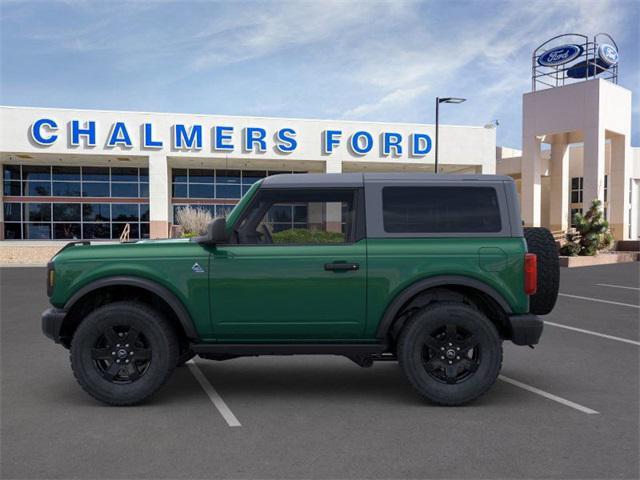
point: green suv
(434, 271)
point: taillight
(530, 273)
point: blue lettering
(221, 137)
(89, 131)
(186, 139)
(147, 138)
(391, 140)
(421, 144)
(286, 141)
(330, 141)
(356, 144)
(119, 136)
(255, 135)
(36, 131)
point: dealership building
(90, 174)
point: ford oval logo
(608, 54)
(560, 55)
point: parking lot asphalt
(325, 417)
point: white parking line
(616, 286)
(599, 300)
(610, 337)
(548, 395)
(215, 398)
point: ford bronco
(434, 271)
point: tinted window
(36, 172)
(66, 189)
(37, 189)
(66, 173)
(120, 174)
(124, 189)
(96, 212)
(12, 189)
(66, 212)
(440, 210)
(124, 212)
(12, 212)
(95, 189)
(11, 172)
(98, 174)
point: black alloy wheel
(121, 354)
(451, 354)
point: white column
(159, 198)
(618, 188)
(593, 166)
(333, 165)
(559, 202)
(334, 210)
(531, 181)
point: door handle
(341, 266)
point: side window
(440, 210)
(285, 217)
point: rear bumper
(525, 329)
(52, 319)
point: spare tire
(541, 242)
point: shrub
(300, 235)
(592, 233)
(194, 221)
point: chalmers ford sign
(45, 132)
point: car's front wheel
(123, 352)
(450, 352)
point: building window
(62, 213)
(576, 189)
(200, 185)
(62, 181)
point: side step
(363, 354)
(254, 349)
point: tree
(592, 233)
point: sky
(351, 60)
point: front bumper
(52, 319)
(525, 329)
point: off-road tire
(541, 242)
(412, 356)
(160, 346)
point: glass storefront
(214, 190)
(77, 202)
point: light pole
(438, 102)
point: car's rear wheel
(123, 352)
(450, 352)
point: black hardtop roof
(337, 180)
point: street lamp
(438, 102)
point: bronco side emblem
(197, 268)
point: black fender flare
(167, 295)
(438, 281)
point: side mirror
(216, 232)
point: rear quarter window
(445, 209)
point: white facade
(587, 128)
(167, 143)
